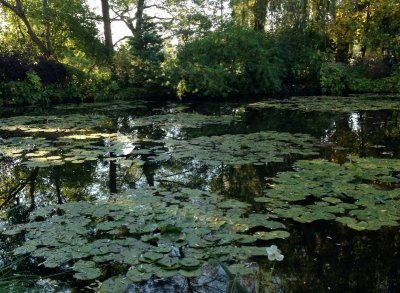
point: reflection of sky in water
(127, 147)
(328, 133)
(344, 131)
(98, 189)
(192, 171)
(354, 121)
(173, 131)
(130, 121)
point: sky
(119, 29)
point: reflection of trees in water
(324, 257)
(242, 182)
(367, 134)
(55, 184)
(317, 256)
(215, 280)
(313, 123)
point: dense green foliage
(25, 80)
(233, 61)
(334, 78)
(163, 192)
(202, 49)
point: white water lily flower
(274, 253)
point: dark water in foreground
(323, 256)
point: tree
(184, 19)
(130, 12)
(260, 14)
(54, 27)
(107, 26)
(19, 10)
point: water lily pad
(189, 262)
(114, 285)
(330, 104)
(144, 230)
(190, 273)
(25, 249)
(362, 193)
(278, 234)
(88, 274)
(240, 269)
(135, 275)
(152, 256)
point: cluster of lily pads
(183, 120)
(153, 232)
(363, 194)
(77, 149)
(239, 149)
(106, 107)
(53, 124)
(81, 138)
(146, 233)
(58, 125)
(330, 104)
(42, 141)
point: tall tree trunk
(342, 52)
(139, 16)
(304, 15)
(47, 25)
(366, 28)
(260, 14)
(18, 10)
(105, 6)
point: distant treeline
(52, 51)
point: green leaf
(114, 285)
(277, 234)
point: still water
(135, 145)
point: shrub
(22, 92)
(230, 62)
(13, 66)
(50, 71)
(137, 65)
(379, 69)
(24, 80)
(304, 52)
(334, 78)
(390, 84)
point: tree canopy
(165, 36)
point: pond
(187, 197)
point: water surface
(322, 256)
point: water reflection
(354, 122)
(319, 257)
